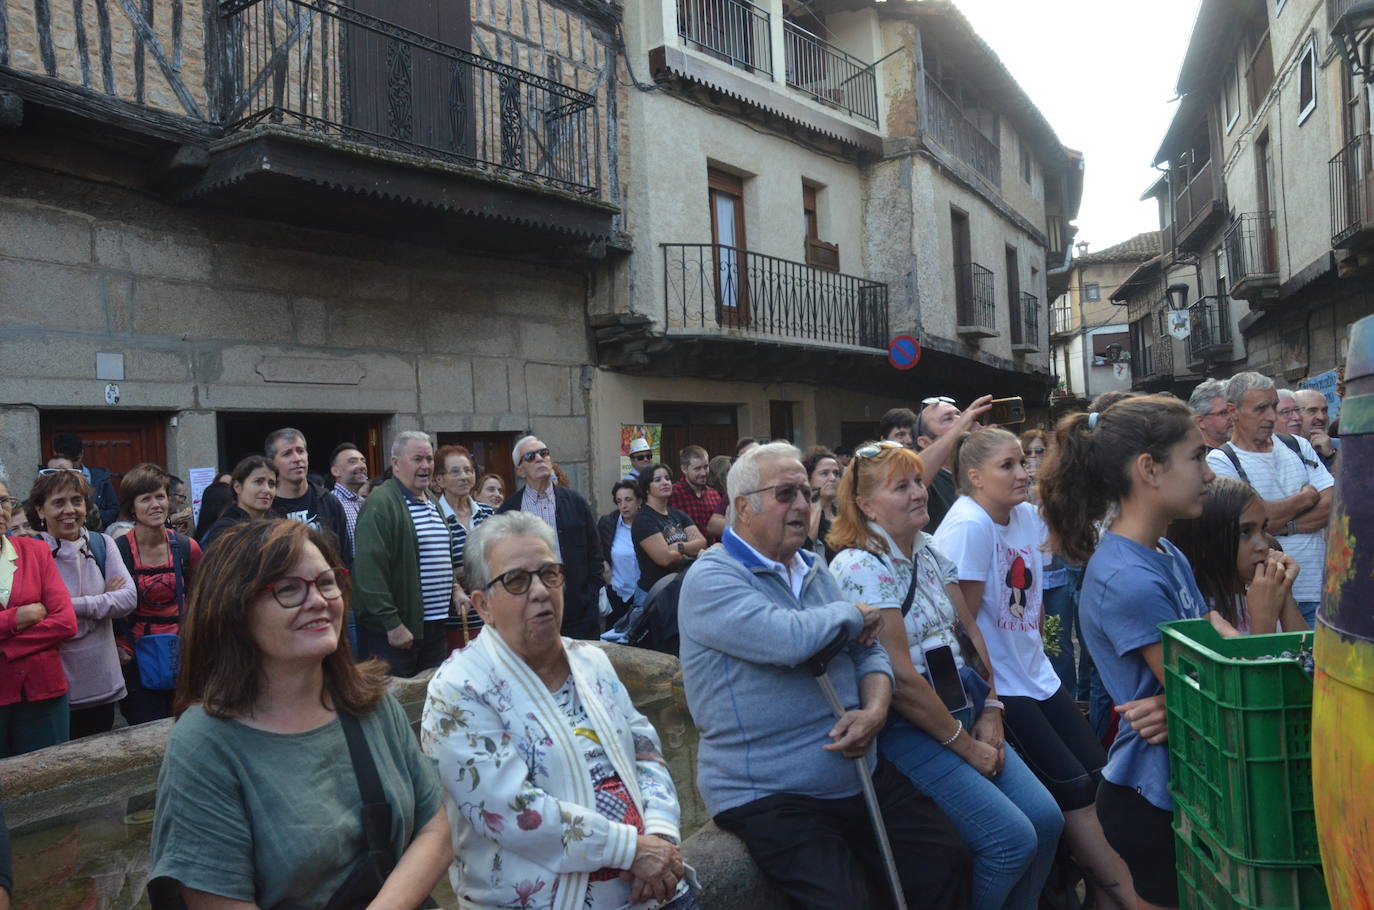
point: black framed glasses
(531, 456)
(1036, 452)
(936, 399)
(785, 492)
(292, 590)
(642, 456)
(10, 501)
(518, 581)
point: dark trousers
(426, 652)
(823, 855)
(142, 705)
(582, 620)
(92, 720)
(27, 726)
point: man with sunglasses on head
(775, 767)
(403, 564)
(939, 428)
(574, 528)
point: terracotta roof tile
(1138, 249)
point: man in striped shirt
(403, 564)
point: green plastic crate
(1212, 878)
(1240, 740)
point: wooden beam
(42, 16)
(83, 56)
(4, 37)
(154, 46)
(102, 18)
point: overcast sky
(1103, 73)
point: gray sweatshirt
(761, 715)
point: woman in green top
(258, 804)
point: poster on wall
(1326, 384)
(629, 432)
(200, 478)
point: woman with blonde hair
(886, 559)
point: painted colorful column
(1343, 699)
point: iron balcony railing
(1210, 320)
(324, 67)
(945, 122)
(1352, 190)
(1025, 321)
(1061, 320)
(1251, 253)
(977, 299)
(712, 287)
(828, 74)
(736, 31)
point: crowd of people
(936, 553)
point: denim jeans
(1308, 608)
(1011, 822)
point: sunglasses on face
(518, 581)
(786, 492)
(1035, 453)
(642, 456)
(936, 399)
(531, 456)
(292, 590)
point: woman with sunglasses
(886, 559)
(995, 538)
(101, 590)
(665, 539)
(36, 616)
(1061, 579)
(555, 784)
(162, 563)
(259, 800)
(253, 483)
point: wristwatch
(1291, 527)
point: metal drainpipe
(1083, 336)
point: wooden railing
(713, 287)
(1194, 199)
(828, 74)
(944, 121)
(1061, 320)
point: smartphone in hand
(1007, 411)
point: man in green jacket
(403, 564)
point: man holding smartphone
(939, 427)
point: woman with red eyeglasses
(163, 563)
(291, 776)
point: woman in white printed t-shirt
(995, 537)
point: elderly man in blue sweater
(775, 767)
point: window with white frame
(1230, 97)
(1092, 291)
(1307, 80)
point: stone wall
(215, 313)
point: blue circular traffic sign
(904, 352)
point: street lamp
(1351, 29)
(1178, 296)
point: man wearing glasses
(939, 428)
(574, 529)
(641, 456)
(774, 765)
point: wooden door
(401, 91)
(115, 440)
(491, 452)
(726, 194)
(1267, 241)
(713, 427)
(962, 247)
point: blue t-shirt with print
(1128, 590)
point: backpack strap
(96, 541)
(1229, 451)
(1291, 441)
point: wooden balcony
(1252, 255)
(975, 302)
(1061, 321)
(943, 120)
(1198, 206)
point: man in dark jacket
(69, 446)
(297, 497)
(573, 524)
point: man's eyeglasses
(1287, 412)
(785, 492)
(531, 456)
(1222, 413)
(936, 399)
(518, 581)
(292, 590)
(10, 502)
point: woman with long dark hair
(259, 798)
(1241, 574)
(253, 484)
(1144, 460)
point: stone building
(221, 218)
(1264, 207)
(807, 180)
(1088, 332)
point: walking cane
(817, 665)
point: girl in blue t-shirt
(1144, 459)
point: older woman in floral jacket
(557, 794)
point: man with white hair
(574, 527)
(1290, 417)
(403, 564)
(1288, 476)
(774, 765)
(1212, 412)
